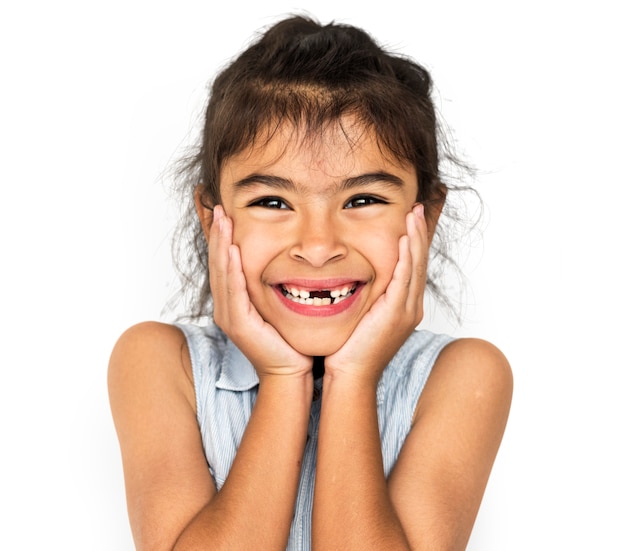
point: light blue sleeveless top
(226, 387)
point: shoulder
(145, 342)
(473, 359)
(143, 336)
(148, 334)
(148, 355)
(471, 371)
(152, 401)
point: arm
(440, 477)
(352, 508)
(153, 406)
(352, 505)
(431, 498)
(172, 501)
(433, 495)
(254, 508)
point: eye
(270, 203)
(364, 201)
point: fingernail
(419, 211)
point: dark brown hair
(311, 75)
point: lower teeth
(317, 301)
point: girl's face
(318, 224)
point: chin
(317, 348)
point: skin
(309, 214)
(322, 232)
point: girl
(309, 412)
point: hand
(235, 314)
(395, 314)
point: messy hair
(308, 75)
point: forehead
(341, 149)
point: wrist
(297, 383)
(352, 379)
(293, 367)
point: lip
(313, 285)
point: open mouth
(320, 297)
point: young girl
(309, 412)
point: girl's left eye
(364, 201)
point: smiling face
(317, 222)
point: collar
(236, 371)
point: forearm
(254, 508)
(352, 508)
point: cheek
(381, 248)
(385, 262)
(252, 253)
(257, 250)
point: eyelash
(270, 203)
(364, 201)
(358, 201)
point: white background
(97, 98)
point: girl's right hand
(235, 314)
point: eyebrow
(279, 182)
(372, 178)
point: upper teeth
(303, 296)
(306, 294)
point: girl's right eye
(270, 203)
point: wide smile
(320, 299)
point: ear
(204, 209)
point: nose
(318, 240)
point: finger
(216, 240)
(242, 315)
(417, 232)
(383, 329)
(220, 239)
(399, 288)
(228, 282)
(236, 287)
(402, 273)
(258, 340)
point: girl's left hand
(395, 314)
